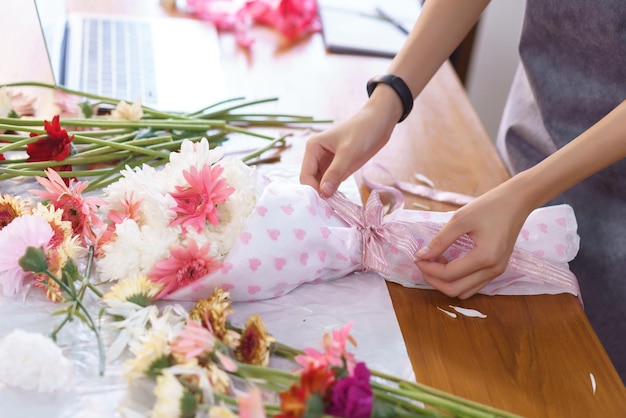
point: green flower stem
(211, 106)
(439, 393)
(90, 322)
(19, 144)
(282, 378)
(121, 146)
(105, 132)
(113, 174)
(402, 398)
(229, 109)
(261, 150)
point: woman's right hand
(335, 154)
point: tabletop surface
(533, 355)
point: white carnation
(33, 361)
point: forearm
(595, 149)
(438, 31)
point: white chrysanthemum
(145, 185)
(191, 154)
(33, 361)
(134, 250)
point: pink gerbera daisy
(334, 354)
(185, 266)
(80, 211)
(25, 231)
(193, 341)
(197, 202)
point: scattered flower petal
(450, 314)
(469, 312)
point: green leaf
(34, 260)
(188, 405)
(315, 406)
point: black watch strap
(399, 86)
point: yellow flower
(220, 382)
(254, 346)
(138, 290)
(172, 399)
(221, 412)
(214, 312)
(11, 207)
(151, 353)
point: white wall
(494, 60)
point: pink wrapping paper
(293, 237)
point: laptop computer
(172, 64)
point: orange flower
(314, 381)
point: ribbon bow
(374, 231)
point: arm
(494, 220)
(333, 155)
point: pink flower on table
(251, 404)
(185, 266)
(197, 202)
(80, 211)
(334, 354)
(193, 340)
(352, 396)
(129, 209)
(25, 231)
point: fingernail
(327, 188)
(422, 252)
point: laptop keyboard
(118, 60)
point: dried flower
(255, 343)
(213, 312)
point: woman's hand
(493, 221)
(333, 155)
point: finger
(461, 288)
(440, 242)
(337, 171)
(472, 262)
(316, 160)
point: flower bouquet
(205, 222)
(195, 363)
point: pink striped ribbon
(377, 232)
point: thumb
(437, 245)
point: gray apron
(572, 73)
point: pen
(392, 20)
